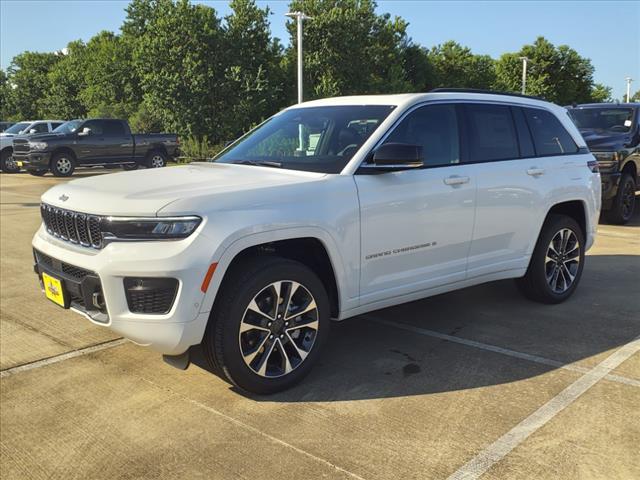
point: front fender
(346, 279)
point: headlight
(37, 145)
(606, 160)
(124, 229)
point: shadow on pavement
(364, 359)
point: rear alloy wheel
(156, 160)
(7, 163)
(268, 325)
(556, 265)
(62, 165)
(624, 202)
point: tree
(558, 74)
(5, 97)
(635, 97)
(254, 76)
(601, 93)
(66, 81)
(348, 49)
(456, 66)
(180, 60)
(28, 75)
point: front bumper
(610, 183)
(101, 296)
(33, 160)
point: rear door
(416, 224)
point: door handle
(535, 171)
(456, 180)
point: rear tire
(7, 164)
(556, 265)
(156, 159)
(624, 202)
(63, 165)
(262, 338)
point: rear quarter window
(549, 136)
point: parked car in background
(5, 125)
(329, 209)
(93, 142)
(25, 129)
(612, 132)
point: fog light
(150, 295)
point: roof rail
(478, 90)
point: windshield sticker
(627, 123)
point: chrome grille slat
(74, 227)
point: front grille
(61, 267)
(21, 146)
(74, 227)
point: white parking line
(503, 351)
(514, 437)
(62, 357)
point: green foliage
(348, 49)
(635, 97)
(198, 148)
(456, 66)
(600, 93)
(557, 74)
(176, 66)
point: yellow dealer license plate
(19, 164)
(53, 289)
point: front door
(416, 225)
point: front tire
(37, 173)
(127, 167)
(624, 201)
(269, 323)
(7, 163)
(556, 265)
(63, 165)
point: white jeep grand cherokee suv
(329, 209)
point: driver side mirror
(85, 132)
(398, 156)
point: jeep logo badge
(63, 197)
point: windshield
(606, 119)
(17, 128)
(68, 127)
(313, 139)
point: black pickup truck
(93, 142)
(612, 132)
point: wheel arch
(631, 168)
(313, 249)
(60, 150)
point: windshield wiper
(264, 163)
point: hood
(3, 134)
(40, 137)
(601, 140)
(145, 192)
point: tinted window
(435, 128)
(55, 125)
(492, 133)
(113, 128)
(39, 128)
(96, 126)
(549, 136)
(524, 136)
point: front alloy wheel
(278, 329)
(268, 324)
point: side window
(113, 128)
(40, 128)
(524, 135)
(549, 136)
(96, 126)
(492, 133)
(435, 128)
(55, 125)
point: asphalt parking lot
(475, 382)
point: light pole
(524, 74)
(300, 17)
(629, 80)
